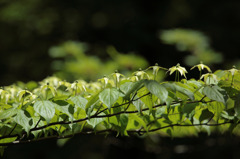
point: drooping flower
(179, 69)
(210, 78)
(201, 67)
(156, 69)
(140, 73)
(233, 70)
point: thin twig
(12, 129)
(95, 116)
(138, 131)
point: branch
(111, 131)
(94, 116)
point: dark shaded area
(29, 28)
(154, 147)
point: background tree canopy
(29, 28)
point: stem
(76, 89)
(176, 76)
(47, 93)
(37, 123)
(116, 83)
(23, 99)
(112, 131)
(232, 80)
(12, 129)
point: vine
(135, 105)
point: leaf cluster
(135, 105)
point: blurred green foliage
(194, 42)
(29, 28)
(71, 62)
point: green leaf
(189, 110)
(79, 101)
(124, 123)
(213, 93)
(237, 106)
(95, 121)
(91, 103)
(126, 87)
(216, 108)
(180, 88)
(45, 108)
(206, 114)
(8, 113)
(225, 115)
(168, 103)
(138, 119)
(185, 91)
(169, 86)
(156, 89)
(134, 88)
(22, 120)
(109, 96)
(67, 109)
(138, 104)
(6, 140)
(160, 111)
(174, 115)
(146, 99)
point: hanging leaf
(8, 113)
(156, 89)
(6, 140)
(91, 103)
(138, 119)
(45, 108)
(205, 115)
(67, 109)
(189, 110)
(146, 99)
(237, 106)
(109, 96)
(184, 91)
(126, 87)
(22, 120)
(138, 104)
(216, 108)
(124, 123)
(213, 93)
(79, 101)
(134, 88)
(95, 121)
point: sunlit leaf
(79, 101)
(216, 108)
(184, 91)
(91, 103)
(134, 88)
(8, 113)
(214, 93)
(45, 108)
(156, 89)
(205, 115)
(22, 120)
(109, 96)
(237, 106)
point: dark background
(99, 147)
(28, 28)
